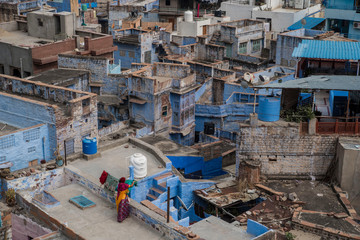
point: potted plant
(10, 197)
(59, 159)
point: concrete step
(162, 178)
(162, 186)
(156, 192)
(154, 208)
(151, 197)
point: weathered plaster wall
(27, 145)
(283, 151)
(73, 112)
(99, 69)
(48, 180)
(287, 42)
(11, 55)
(24, 228)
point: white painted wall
(191, 29)
(282, 19)
(236, 11)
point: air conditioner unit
(356, 25)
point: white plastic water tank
(139, 162)
(188, 16)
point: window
(2, 70)
(131, 54)
(256, 45)
(243, 48)
(6, 142)
(122, 53)
(176, 105)
(167, 2)
(176, 117)
(164, 111)
(31, 149)
(148, 56)
(40, 22)
(31, 135)
(95, 90)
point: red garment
(103, 177)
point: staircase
(215, 37)
(156, 199)
(167, 50)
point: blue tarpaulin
(310, 23)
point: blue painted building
(47, 116)
(162, 96)
(343, 16)
(335, 57)
(107, 81)
(222, 104)
(135, 46)
(26, 147)
(288, 41)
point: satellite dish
(303, 21)
(244, 84)
(247, 76)
(262, 78)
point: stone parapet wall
(282, 150)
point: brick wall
(23, 227)
(283, 151)
(49, 50)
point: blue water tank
(89, 146)
(269, 109)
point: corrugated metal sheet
(321, 82)
(328, 50)
(310, 23)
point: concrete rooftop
(170, 148)
(99, 222)
(58, 77)
(308, 191)
(116, 162)
(6, 129)
(22, 39)
(213, 228)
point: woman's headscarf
(122, 185)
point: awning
(137, 100)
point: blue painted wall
(336, 98)
(25, 114)
(340, 4)
(127, 60)
(185, 192)
(255, 228)
(24, 146)
(60, 5)
(195, 166)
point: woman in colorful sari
(122, 201)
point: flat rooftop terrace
(169, 147)
(116, 162)
(99, 222)
(58, 77)
(308, 191)
(6, 129)
(213, 228)
(22, 39)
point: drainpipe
(21, 68)
(43, 145)
(358, 68)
